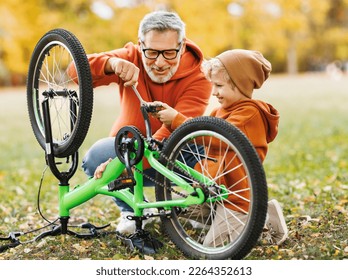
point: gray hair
(161, 21)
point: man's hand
(126, 70)
(98, 173)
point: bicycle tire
(180, 225)
(48, 76)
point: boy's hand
(165, 114)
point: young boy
(234, 75)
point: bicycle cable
(38, 199)
(13, 236)
(50, 223)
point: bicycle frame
(69, 199)
(80, 194)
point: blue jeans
(104, 149)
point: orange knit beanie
(247, 69)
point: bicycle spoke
(53, 77)
(227, 224)
(49, 81)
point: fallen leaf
(79, 248)
(41, 244)
(27, 250)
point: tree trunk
(292, 59)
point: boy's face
(223, 90)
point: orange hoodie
(259, 122)
(187, 91)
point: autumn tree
(295, 35)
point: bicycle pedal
(141, 240)
(121, 183)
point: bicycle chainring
(129, 141)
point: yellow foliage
(271, 26)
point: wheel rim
(186, 225)
(51, 79)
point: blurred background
(296, 36)
(307, 168)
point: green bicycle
(187, 192)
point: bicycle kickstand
(63, 229)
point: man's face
(160, 69)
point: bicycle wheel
(228, 224)
(70, 99)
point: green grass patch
(306, 167)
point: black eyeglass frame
(162, 52)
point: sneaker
(127, 226)
(276, 229)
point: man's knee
(87, 168)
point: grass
(306, 167)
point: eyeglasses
(167, 54)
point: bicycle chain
(148, 141)
(160, 184)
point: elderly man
(165, 66)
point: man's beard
(160, 79)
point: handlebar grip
(154, 108)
